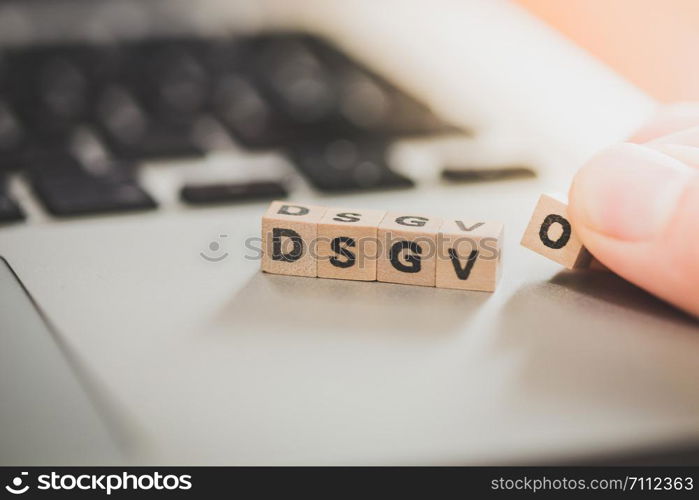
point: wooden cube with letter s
(347, 243)
(289, 232)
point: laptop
(140, 144)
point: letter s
(347, 217)
(185, 483)
(44, 483)
(337, 247)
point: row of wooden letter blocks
(397, 247)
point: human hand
(636, 207)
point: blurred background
(651, 43)
(107, 91)
(132, 83)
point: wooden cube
(469, 254)
(347, 243)
(550, 233)
(289, 230)
(408, 248)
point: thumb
(637, 210)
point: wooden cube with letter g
(408, 249)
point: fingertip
(627, 192)
(637, 212)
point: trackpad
(47, 415)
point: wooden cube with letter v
(347, 244)
(408, 246)
(469, 254)
(289, 233)
(550, 234)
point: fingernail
(688, 155)
(628, 192)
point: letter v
(471, 228)
(463, 272)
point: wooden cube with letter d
(289, 234)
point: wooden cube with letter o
(550, 234)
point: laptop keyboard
(142, 100)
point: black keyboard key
(181, 86)
(221, 56)
(248, 115)
(63, 87)
(232, 192)
(346, 165)
(11, 133)
(123, 121)
(295, 79)
(80, 141)
(67, 189)
(12, 138)
(9, 209)
(163, 140)
(131, 133)
(48, 90)
(479, 174)
(168, 77)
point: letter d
(295, 254)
